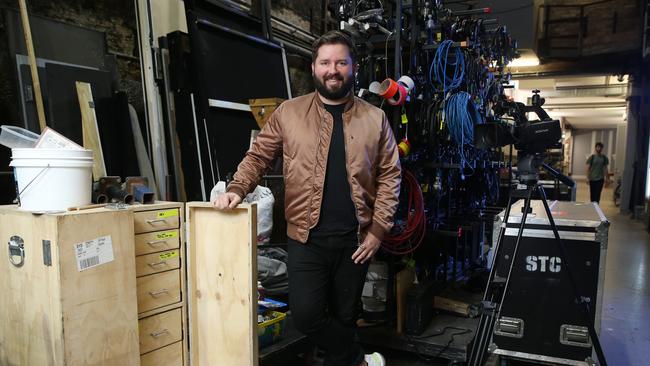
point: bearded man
(342, 181)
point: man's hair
(600, 144)
(332, 37)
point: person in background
(597, 172)
(342, 181)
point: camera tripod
(497, 287)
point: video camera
(531, 137)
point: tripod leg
(586, 311)
(480, 334)
(487, 321)
(520, 233)
(502, 232)
(497, 313)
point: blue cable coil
(440, 63)
(460, 116)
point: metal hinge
(47, 253)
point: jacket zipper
(311, 199)
(347, 169)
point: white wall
(167, 16)
(583, 146)
(621, 135)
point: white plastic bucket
(52, 179)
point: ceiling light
(525, 61)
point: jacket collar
(348, 104)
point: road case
(539, 319)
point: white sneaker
(375, 359)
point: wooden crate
(222, 283)
(53, 313)
(161, 283)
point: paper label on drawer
(167, 235)
(93, 253)
(167, 213)
(168, 255)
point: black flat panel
(233, 67)
(63, 105)
(226, 15)
(112, 115)
(27, 91)
(7, 187)
(57, 41)
(228, 149)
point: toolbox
(539, 320)
(271, 330)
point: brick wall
(115, 18)
(609, 27)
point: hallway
(625, 330)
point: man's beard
(337, 93)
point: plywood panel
(31, 329)
(90, 131)
(222, 278)
(55, 314)
(100, 324)
(404, 282)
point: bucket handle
(31, 181)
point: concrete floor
(625, 329)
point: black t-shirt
(337, 213)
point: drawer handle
(154, 265)
(159, 292)
(159, 334)
(155, 220)
(154, 242)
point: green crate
(271, 330)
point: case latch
(574, 335)
(509, 327)
(16, 251)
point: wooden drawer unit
(171, 355)
(158, 290)
(160, 330)
(156, 220)
(157, 262)
(157, 241)
(160, 271)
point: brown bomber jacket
(301, 130)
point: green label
(167, 213)
(167, 235)
(168, 255)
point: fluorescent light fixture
(525, 61)
(647, 179)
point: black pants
(325, 287)
(595, 187)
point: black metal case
(539, 318)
